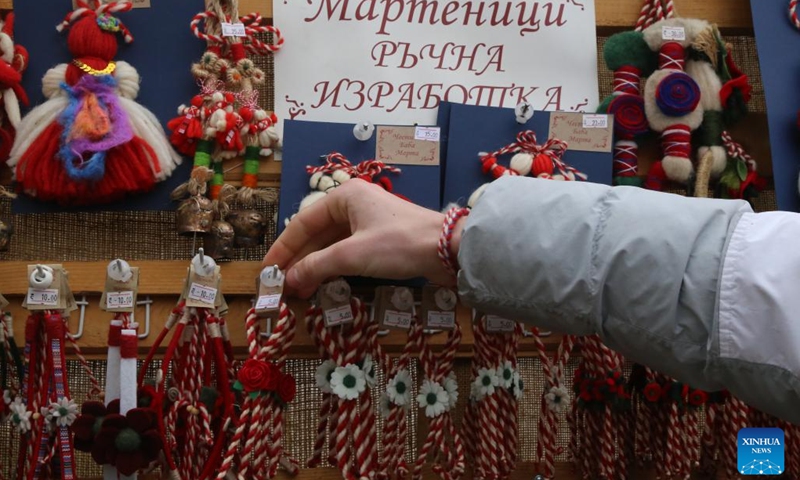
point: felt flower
(19, 415)
(369, 370)
(87, 424)
(348, 382)
(433, 398)
(130, 442)
(256, 375)
(485, 383)
(652, 392)
(557, 399)
(287, 388)
(385, 405)
(399, 388)
(506, 374)
(451, 387)
(698, 398)
(63, 412)
(323, 376)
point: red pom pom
(542, 164)
(385, 183)
(246, 113)
(488, 163)
(197, 101)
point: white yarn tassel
(127, 384)
(147, 126)
(11, 104)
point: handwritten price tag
(441, 319)
(233, 30)
(395, 319)
(119, 300)
(429, 134)
(595, 121)
(268, 302)
(202, 293)
(673, 33)
(46, 296)
(338, 316)
(495, 324)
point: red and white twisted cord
(793, 14)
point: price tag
(595, 121)
(429, 134)
(202, 293)
(338, 316)
(119, 300)
(46, 296)
(673, 33)
(269, 302)
(393, 318)
(445, 320)
(495, 324)
(233, 30)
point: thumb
(341, 258)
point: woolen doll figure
(90, 142)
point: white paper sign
(203, 293)
(396, 319)
(233, 30)
(338, 316)
(595, 121)
(119, 299)
(392, 61)
(441, 319)
(673, 33)
(43, 296)
(268, 302)
(495, 324)
(430, 134)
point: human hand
(359, 230)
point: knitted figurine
(90, 142)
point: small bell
(249, 227)
(195, 215)
(219, 242)
(6, 230)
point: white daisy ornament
(20, 416)
(518, 386)
(348, 382)
(557, 399)
(485, 383)
(63, 412)
(323, 376)
(506, 374)
(399, 388)
(451, 387)
(433, 398)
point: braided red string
(451, 218)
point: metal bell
(219, 242)
(249, 227)
(194, 215)
(6, 230)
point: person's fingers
(310, 229)
(341, 258)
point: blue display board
(162, 52)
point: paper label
(595, 121)
(395, 319)
(444, 320)
(141, 3)
(571, 128)
(202, 293)
(269, 302)
(400, 146)
(673, 33)
(338, 316)
(119, 300)
(428, 134)
(495, 324)
(45, 296)
(233, 30)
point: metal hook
(146, 302)
(82, 303)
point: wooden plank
(732, 16)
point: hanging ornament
(90, 142)
(219, 242)
(13, 63)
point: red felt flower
(652, 392)
(697, 398)
(256, 375)
(739, 83)
(86, 427)
(287, 388)
(129, 442)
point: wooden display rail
(163, 280)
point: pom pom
(677, 94)
(629, 49)
(310, 199)
(325, 183)
(678, 169)
(603, 107)
(629, 117)
(340, 176)
(314, 180)
(476, 196)
(521, 163)
(542, 165)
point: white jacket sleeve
(702, 290)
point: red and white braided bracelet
(451, 218)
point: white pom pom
(325, 183)
(476, 195)
(678, 169)
(260, 114)
(311, 198)
(558, 177)
(265, 152)
(522, 163)
(314, 180)
(217, 97)
(340, 176)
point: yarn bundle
(11, 368)
(195, 402)
(90, 142)
(13, 63)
